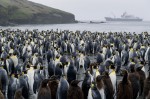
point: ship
(124, 17)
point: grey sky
(98, 9)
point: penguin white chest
(101, 91)
(31, 77)
(113, 79)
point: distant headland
(16, 12)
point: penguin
(87, 62)
(18, 94)
(97, 91)
(62, 88)
(134, 78)
(15, 60)
(51, 67)
(10, 65)
(117, 61)
(23, 79)
(147, 56)
(74, 91)
(146, 87)
(13, 85)
(124, 87)
(71, 73)
(35, 59)
(94, 70)
(86, 84)
(4, 79)
(109, 91)
(59, 70)
(44, 91)
(30, 75)
(142, 78)
(148, 97)
(100, 57)
(80, 74)
(1, 94)
(124, 57)
(53, 85)
(38, 77)
(113, 77)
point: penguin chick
(147, 87)
(44, 91)
(108, 86)
(124, 87)
(18, 94)
(53, 85)
(74, 91)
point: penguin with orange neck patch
(113, 77)
(97, 91)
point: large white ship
(124, 17)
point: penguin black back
(74, 91)
(108, 86)
(1, 94)
(86, 84)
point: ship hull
(122, 19)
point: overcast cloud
(98, 9)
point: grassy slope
(24, 9)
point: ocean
(137, 27)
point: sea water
(137, 27)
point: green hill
(27, 12)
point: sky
(98, 9)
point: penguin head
(17, 75)
(139, 67)
(41, 67)
(99, 81)
(74, 83)
(44, 83)
(28, 66)
(112, 66)
(124, 72)
(132, 67)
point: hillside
(27, 12)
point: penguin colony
(57, 64)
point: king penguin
(97, 91)
(62, 88)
